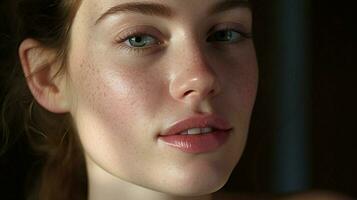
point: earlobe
(39, 65)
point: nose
(194, 80)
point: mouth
(197, 134)
(196, 131)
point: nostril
(188, 92)
(212, 92)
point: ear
(39, 65)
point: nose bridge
(194, 78)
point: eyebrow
(155, 9)
(152, 9)
(229, 5)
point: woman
(151, 98)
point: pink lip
(197, 143)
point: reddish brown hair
(52, 136)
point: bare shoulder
(313, 195)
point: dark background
(331, 101)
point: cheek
(239, 71)
(110, 106)
(246, 79)
(114, 94)
(238, 74)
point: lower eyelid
(143, 50)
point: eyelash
(158, 43)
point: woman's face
(146, 65)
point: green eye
(140, 41)
(225, 36)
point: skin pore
(137, 67)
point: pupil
(222, 34)
(138, 39)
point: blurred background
(303, 133)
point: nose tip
(196, 84)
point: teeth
(206, 130)
(196, 131)
(193, 131)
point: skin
(122, 99)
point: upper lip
(199, 121)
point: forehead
(94, 11)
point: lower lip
(197, 143)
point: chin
(197, 182)
(199, 175)
(202, 186)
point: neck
(105, 186)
